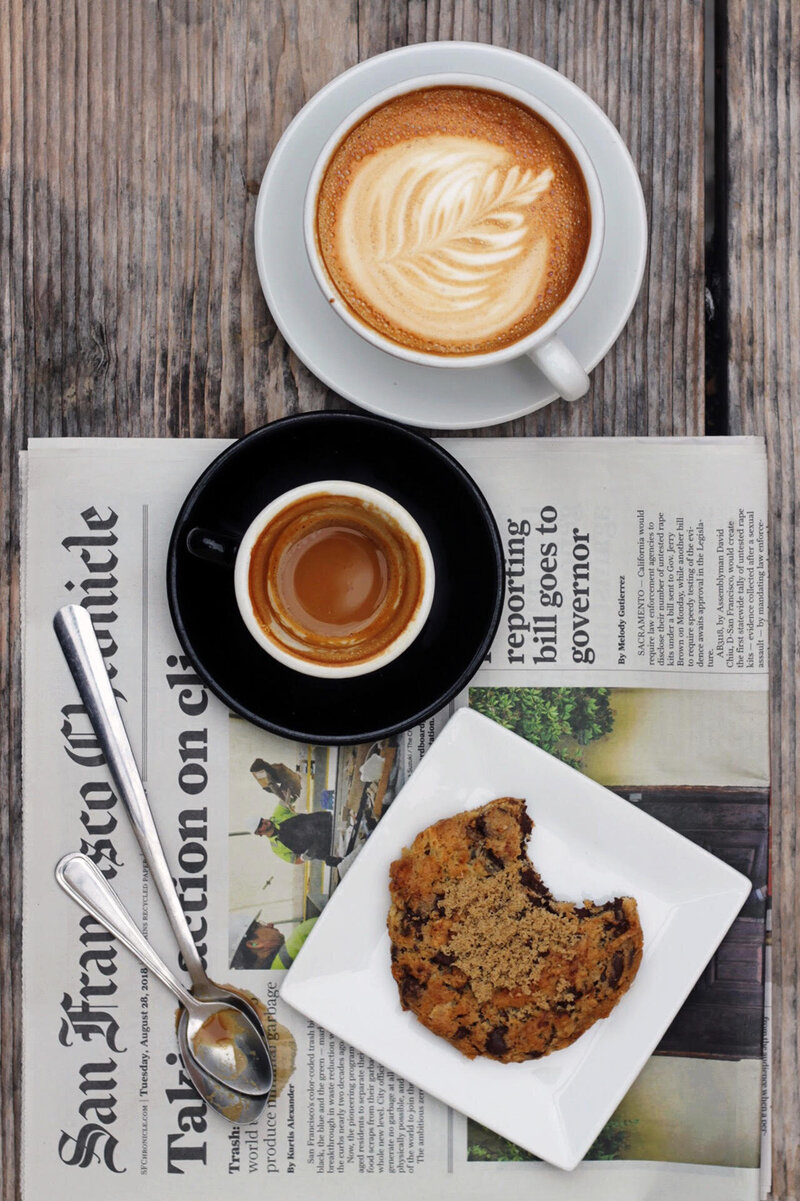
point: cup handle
(562, 369)
(215, 548)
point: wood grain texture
(763, 285)
(133, 137)
(13, 413)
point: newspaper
(633, 644)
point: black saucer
(463, 538)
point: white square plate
(586, 843)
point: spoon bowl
(228, 1046)
(239, 1108)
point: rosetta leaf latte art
(456, 223)
(441, 237)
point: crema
(453, 220)
(333, 580)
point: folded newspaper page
(633, 645)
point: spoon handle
(75, 632)
(79, 877)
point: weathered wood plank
(133, 137)
(144, 162)
(13, 413)
(763, 285)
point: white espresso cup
(543, 345)
(286, 528)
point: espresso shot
(335, 581)
(453, 221)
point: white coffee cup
(543, 345)
(370, 497)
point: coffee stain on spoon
(221, 1033)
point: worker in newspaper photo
(315, 807)
(293, 836)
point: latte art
(440, 235)
(453, 220)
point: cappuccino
(453, 220)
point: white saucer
(434, 397)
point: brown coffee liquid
(333, 580)
(453, 220)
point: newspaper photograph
(632, 645)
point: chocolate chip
(479, 826)
(568, 1001)
(462, 1032)
(410, 990)
(532, 881)
(622, 922)
(496, 1041)
(494, 861)
(412, 923)
(615, 969)
(443, 958)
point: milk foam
(440, 234)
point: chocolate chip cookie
(486, 957)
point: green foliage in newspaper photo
(484, 1146)
(559, 720)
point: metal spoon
(74, 630)
(223, 1043)
(236, 1107)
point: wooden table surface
(133, 137)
